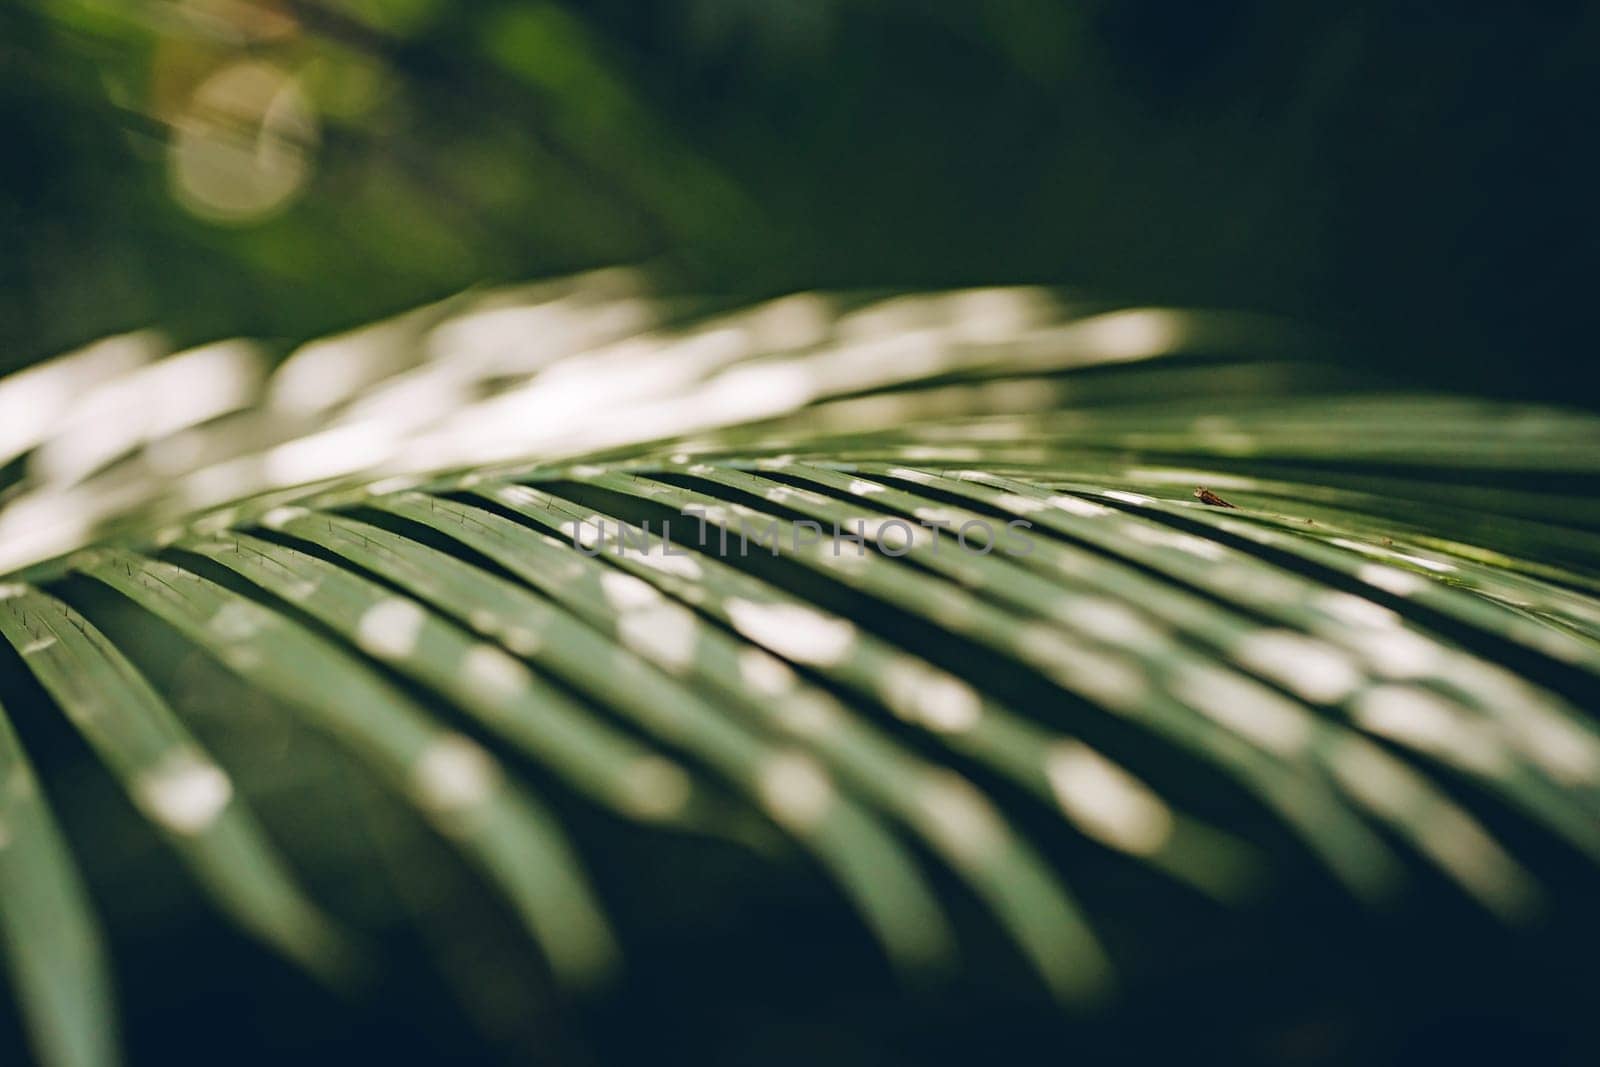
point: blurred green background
(1414, 176)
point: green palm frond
(888, 581)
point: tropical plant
(998, 597)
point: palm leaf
(568, 540)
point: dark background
(1416, 176)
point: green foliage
(1408, 174)
(1370, 675)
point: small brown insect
(1206, 496)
